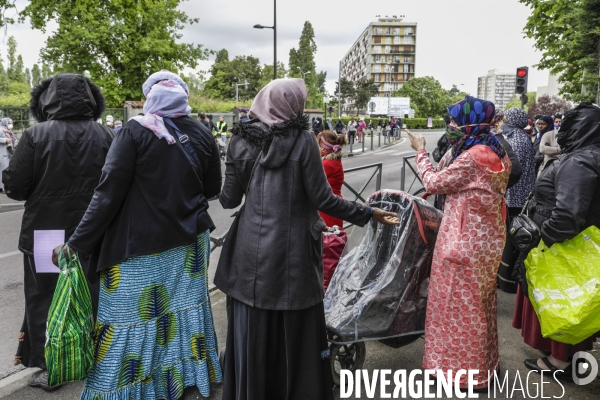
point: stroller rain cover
(379, 289)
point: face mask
(557, 126)
(10, 126)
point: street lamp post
(325, 101)
(245, 85)
(303, 73)
(274, 27)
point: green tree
(15, 62)
(365, 89)
(46, 71)
(28, 76)
(225, 74)
(218, 86)
(321, 79)
(344, 88)
(21, 71)
(246, 69)
(121, 42)
(36, 75)
(266, 74)
(302, 60)
(515, 102)
(195, 81)
(3, 79)
(427, 96)
(568, 35)
(5, 6)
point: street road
(11, 260)
(512, 349)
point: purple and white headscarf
(166, 96)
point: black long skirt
(39, 291)
(279, 355)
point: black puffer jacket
(577, 180)
(58, 162)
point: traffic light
(522, 76)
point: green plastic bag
(69, 345)
(564, 287)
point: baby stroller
(379, 289)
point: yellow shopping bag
(564, 287)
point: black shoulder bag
(523, 232)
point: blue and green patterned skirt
(155, 334)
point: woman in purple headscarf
(148, 231)
(271, 264)
(460, 328)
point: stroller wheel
(350, 357)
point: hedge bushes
(411, 123)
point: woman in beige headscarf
(271, 264)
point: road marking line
(12, 253)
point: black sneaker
(40, 379)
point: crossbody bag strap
(254, 169)
(187, 144)
(525, 210)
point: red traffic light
(521, 72)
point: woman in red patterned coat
(331, 154)
(461, 329)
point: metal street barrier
(406, 162)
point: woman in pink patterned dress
(460, 329)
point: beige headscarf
(280, 101)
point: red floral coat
(461, 329)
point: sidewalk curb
(14, 382)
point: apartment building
(497, 87)
(384, 52)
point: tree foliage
(225, 74)
(548, 105)
(427, 96)
(515, 102)
(302, 60)
(267, 74)
(567, 32)
(344, 88)
(36, 75)
(365, 89)
(15, 80)
(120, 42)
(6, 6)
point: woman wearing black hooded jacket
(566, 202)
(55, 169)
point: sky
(457, 41)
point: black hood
(277, 141)
(66, 96)
(580, 127)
